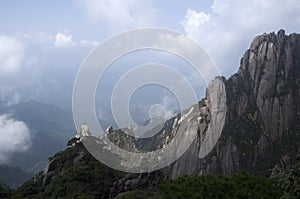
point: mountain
(13, 176)
(262, 125)
(72, 173)
(260, 136)
(45, 118)
(75, 173)
(50, 128)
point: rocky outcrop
(266, 88)
(269, 82)
(262, 123)
(122, 140)
(133, 181)
(55, 166)
(211, 121)
(49, 171)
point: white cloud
(194, 19)
(170, 106)
(12, 60)
(38, 37)
(120, 15)
(11, 55)
(60, 40)
(16, 70)
(31, 63)
(227, 32)
(15, 137)
(63, 40)
(88, 43)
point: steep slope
(269, 77)
(263, 108)
(71, 173)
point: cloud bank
(15, 137)
(40, 66)
(65, 40)
(120, 15)
(11, 55)
(62, 40)
(227, 31)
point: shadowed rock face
(267, 86)
(269, 81)
(262, 123)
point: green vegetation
(5, 191)
(202, 103)
(139, 194)
(84, 178)
(77, 174)
(245, 133)
(288, 181)
(240, 185)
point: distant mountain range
(50, 127)
(13, 176)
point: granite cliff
(262, 126)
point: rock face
(262, 117)
(269, 81)
(140, 181)
(262, 122)
(266, 90)
(122, 140)
(211, 121)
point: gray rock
(79, 157)
(49, 171)
(265, 89)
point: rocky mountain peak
(276, 50)
(269, 81)
(263, 109)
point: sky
(43, 43)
